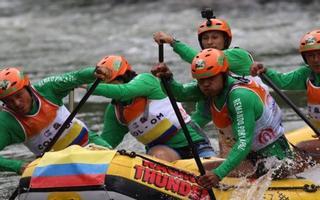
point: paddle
(289, 102)
(63, 127)
(181, 121)
(71, 116)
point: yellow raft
(302, 134)
(97, 174)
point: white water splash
(248, 190)
(312, 174)
(252, 191)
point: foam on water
(254, 190)
(246, 190)
(313, 174)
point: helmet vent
(197, 56)
(207, 55)
(218, 23)
(201, 26)
(193, 70)
(12, 84)
(7, 73)
(209, 68)
(103, 62)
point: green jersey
(142, 86)
(244, 108)
(294, 80)
(53, 89)
(302, 78)
(239, 61)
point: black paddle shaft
(289, 102)
(182, 123)
(14, 194)
(71, 116)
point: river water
(55, 36)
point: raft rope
(224, 187)
(306, 187)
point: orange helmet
(310, 41)
(216, 25)
(11, 81)
(117, 64)
(208, 63)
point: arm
(11, 165)
(142, 85)
(57, 87)
(11, 133)
(113, 132)
(96, 139)
(294, 80)
(185, 92)
(186, 52)
(239, 61)
(244, 108)
(201, 115)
